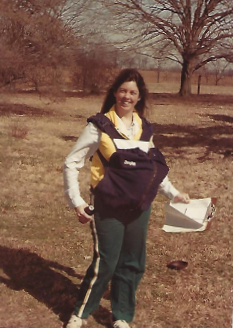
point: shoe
(120, 324)
(74, 322)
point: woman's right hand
(83, 217)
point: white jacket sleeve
(85, 147)
(167, 189)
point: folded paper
(194, 216)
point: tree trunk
(158, 75)
(199, 84)
(186, 74)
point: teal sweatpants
(119, 257)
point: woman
(119, 233)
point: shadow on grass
(22, 110)
(215, 139)
(44, 280)
(69, 138)
(40, 278)
(207, 99)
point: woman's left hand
(182, 198)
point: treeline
(44, 46)
(53, 45)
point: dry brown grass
(44, 252)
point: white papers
(194, 216)
(128, 144)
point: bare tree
(219, 69)
(37, 40)
(191, 32)
(96, 65)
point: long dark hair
(127, 75)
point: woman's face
(127, 96)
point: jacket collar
(119, 125)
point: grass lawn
(44, 251)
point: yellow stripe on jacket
(107, 147)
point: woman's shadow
(45, 280)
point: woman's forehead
(129, 85)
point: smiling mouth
(125, 103)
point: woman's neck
(127, 121)
(126, 118)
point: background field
(44, 251)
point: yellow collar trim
(112, 115)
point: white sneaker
(120, 324)
(74, 322)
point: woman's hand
(182, 198)
(83, 217)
